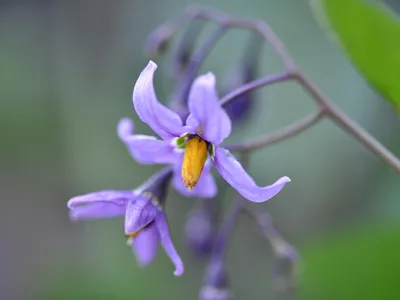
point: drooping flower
(145, 221)
(192, 147)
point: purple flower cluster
(189, 149)
(207, 120)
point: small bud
(286, 268)
(215, 283)
(245, 72)
(239, 109)
(183, 53)
(158, 41)
(193, 161)
(200, 231)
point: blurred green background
(67, 69)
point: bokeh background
(67, 69)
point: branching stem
(279, 135)
(293, 72)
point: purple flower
(192, 147)
(145, 221)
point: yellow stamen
(133, 235)
(193, 161)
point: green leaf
(370, 35)
(355, 262)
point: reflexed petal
(232, 171)
(207, 114)
(139, 213)
(145, 149)
(165, 122)
(97, 205)
(166, 241)
(145, 245)
(205, 187)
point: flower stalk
(190, 142)
(181, 93)
(292, 72)
(279, 135)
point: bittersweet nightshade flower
(192, 148)
(145, 221)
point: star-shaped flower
(145, 221)
(191, 147)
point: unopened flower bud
(158, 41)
(245, 72)
(239, 109)
(216, 284)
(183, 53)
(286, 266)
(200, 231)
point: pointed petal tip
(179, 270)
(284, 179)
(125, 128)
(150, 67)
(74, 202)
(69, 205)
(152, 64)
(208, 78)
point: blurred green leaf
(370, 35)
(359, 263)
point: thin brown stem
(279, 135)
(256, 25)
(279, 245)
(271, 79)
(291, 72)
(347, 124)
(331, 110)
(287, 258)
(221, 241)
(180, 95)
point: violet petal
(146, 149)
(139, 213)
(145, 245)
(232, 171)
(166, 241)
(207, 115)
(97, 205)
(165, 122)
